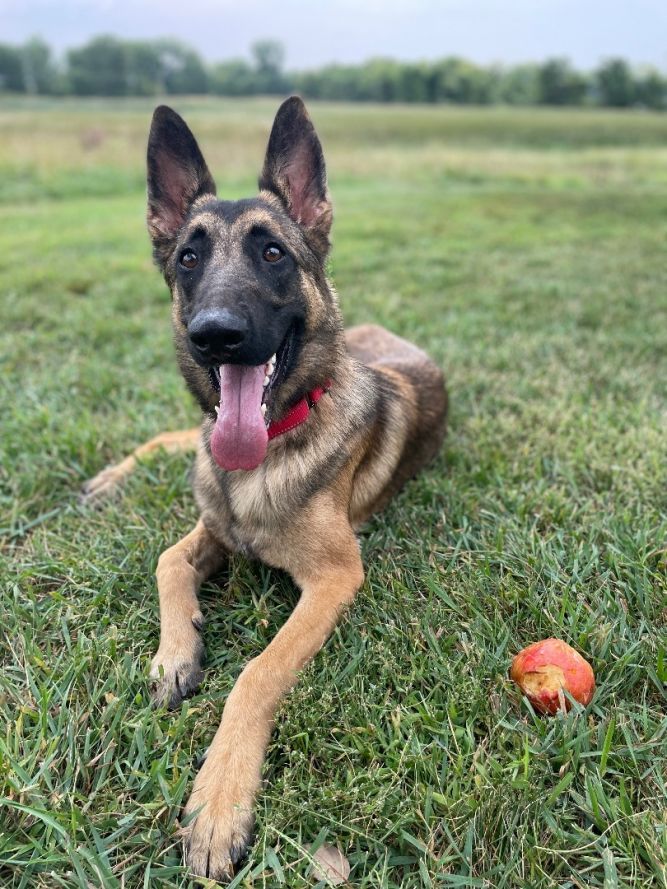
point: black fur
(294, 170)
(177, 176)
(264, 295)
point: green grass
(526, 251)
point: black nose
(217, 332)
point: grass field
(526, 251)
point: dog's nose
(217, 332)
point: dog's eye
(273, 253)
(188, 259)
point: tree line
(110, 66)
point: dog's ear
(177, 176)
(294, 170)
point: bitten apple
(546, 669)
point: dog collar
(299, 413)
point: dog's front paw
(218, 837)
(176, 673)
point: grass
(525, 251)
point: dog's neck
(299, 413)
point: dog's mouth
(240, 436)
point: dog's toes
(101, 486)
(206, 861)
(172, 689)
(173, 679)
(215, 844)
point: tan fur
(180, 572)
(109, 480)
(381, 421)
(225, 788)
(313, 541)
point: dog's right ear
(294, 170)
(177, 176)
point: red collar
(299, 412)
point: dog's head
(256, 323)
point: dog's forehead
(230, 220)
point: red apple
(545, 669)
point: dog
(306, 432)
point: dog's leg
(109, 479)
(181, 570)
(223, 795)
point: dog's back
(408, 383)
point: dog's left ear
(294, 170)
(177, 176)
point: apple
(546, 669)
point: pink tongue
(239, 438)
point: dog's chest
(248, 495)
(257, 512)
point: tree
(39, 72)
(560, 84)
(182, 69)
(378, 81)
(455, 80)
(143, 69)
(333, 82)
(446, 80)
(233, 78)
(520, 85)
(412, 83)
(651, 90)
(98, 68)
(615, 84)
(11, 69)
(109, 66)
(479, 85)
(268, 57)
(308, 84)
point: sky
(315, 32)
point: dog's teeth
(267, 380)
(263, 410)
(217, 408)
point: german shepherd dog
(306, 431)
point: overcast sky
(314, 32)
